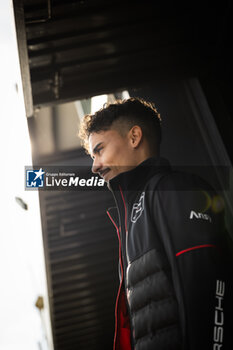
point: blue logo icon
(35, 178)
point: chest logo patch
(203, 216)
(138, 208)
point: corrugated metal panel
(82, 260)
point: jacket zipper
(126, 229)
(120, 286)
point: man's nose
(95, 167)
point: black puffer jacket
(175, 286)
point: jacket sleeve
(191, 226)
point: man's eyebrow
(96, 148)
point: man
(174, 286)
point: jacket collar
(135, 179)
(125, 186)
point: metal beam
(23, 56)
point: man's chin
(109, 177)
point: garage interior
(71, 51)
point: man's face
(111, 152)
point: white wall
(22, 273)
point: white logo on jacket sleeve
(219, 315)
(138, 208)
(193, 214)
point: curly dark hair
(122, 115)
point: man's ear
(135, 136)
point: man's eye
(99, 149)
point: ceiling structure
(71, 50)
(81, 48)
